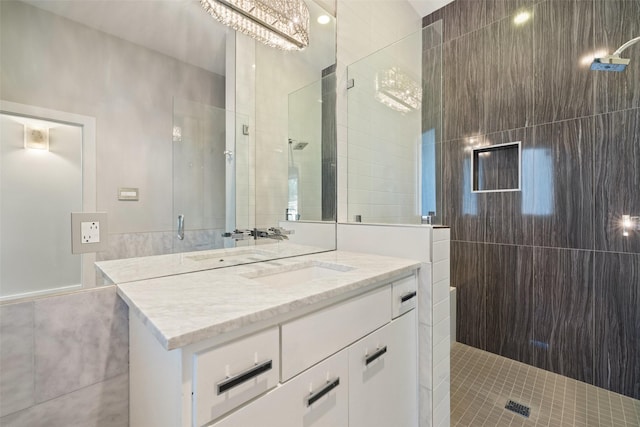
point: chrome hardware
(292, 214)
(181, 227)
(277, 233)
(428, 219)
(245, 129)
(351, 83)
(244, 376)
(237, 234)
(228, 154)
(375, 356)
(331, 384)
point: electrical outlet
(90, 232)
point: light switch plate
(88, 232)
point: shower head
(300, 145)
(613, 62)
(610, 63)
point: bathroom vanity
(326, 339)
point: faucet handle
(281, 231)
(236, 234)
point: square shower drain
(518, 408)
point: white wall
(51, 62)
(383, 151)
(199, 166)
(39, 191)
(364, 27)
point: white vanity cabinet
(382, 376)
(351, 362)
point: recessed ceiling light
(323, 19)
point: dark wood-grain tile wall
(567, 147)
(563, 312)
(470, 292)
(617, 178)
(509, 279)
(544, 274)
(617, 322)
(563, 34)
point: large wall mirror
(193, 116)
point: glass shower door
(394, 132)
(206, 162)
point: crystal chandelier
(283, 24)
(397, 90)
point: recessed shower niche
(496, 168)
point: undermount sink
(299, 273)
(249, 255)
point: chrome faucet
(276, 233)
(279, 233)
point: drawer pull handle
(245, 376)
(375, 355)
(406, 297)
(324, 390)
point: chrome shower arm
(626, 45)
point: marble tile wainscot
(64, 360)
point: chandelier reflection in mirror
(397, 90)
(283, 24)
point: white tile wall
(278, 74)
(365, 27)
(441, 270)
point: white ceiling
(177, 28)
(425, 7)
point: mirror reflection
(189, 116)
(311, 167)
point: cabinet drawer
(317, 398)
(310, 339)
(227, 376)
(404, 295)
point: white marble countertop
(187, 308)
(133, 269)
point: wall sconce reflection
(630, 223)
(36, 138)
(177, 134)
(398, 91)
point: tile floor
(482, 383)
